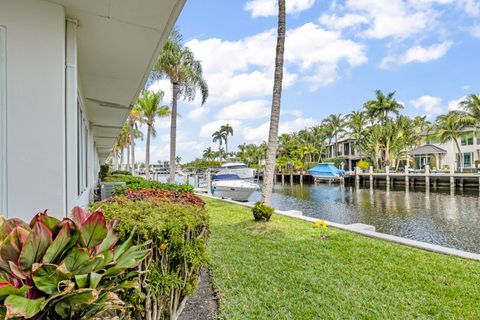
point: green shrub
(128, 179)
(179, 234)
(122, 172)
(104, 171)
(262, 212)
(70, 269)
(156, 185)
(364, 165)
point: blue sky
(337, 54)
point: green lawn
(284, 270)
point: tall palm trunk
(173, 133)
(226, 145)
(147, 153)
(276, 101)
(128, 157)
(133, 156)
(121, 159)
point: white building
(439, 155)
(69, 72)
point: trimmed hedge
(156, 185)
(179, 234)
(128, 179)
(138, 183)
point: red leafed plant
(69, 269)
(178, 197)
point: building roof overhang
(117, 44)
(428, 149)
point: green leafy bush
(179, 234)
(121, 172)
(156, 185)
(104, 171)
(70, 269)
(262, 212)
(185, 198)
(128, 179)
(364, 165)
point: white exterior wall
(37, 130)
(451, 148)
(35, 32)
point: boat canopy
(234, 165)
(218, 177)
(326, 170)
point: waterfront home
(445, 155)
(345, 149)
(69, 73)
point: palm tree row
(379, 131)
(177, 63)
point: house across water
(444, 155)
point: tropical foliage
(178, 227)
(69, 269)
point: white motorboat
(230, 186)
(238, 168)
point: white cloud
(475, 31)
(418, 54)
(198, 113)
(208, 129)
(431, 105)
(260, 133)
(466, 87)
(266, 8)
(165, 86)
(243, 69)
(393, 18)
(454, 104)
(332, 21)
(253, 109)
(471, 7)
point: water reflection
(436, 216)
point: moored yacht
(238, 168)
(232, 187)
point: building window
(3, 121)
(467, 139)
(466, 158)
(82, 151)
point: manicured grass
(284, 270)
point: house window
(467, 159)
(467, 139)
(3, 121)
(346, 149)
(82, 151)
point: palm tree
(149, 105)
(357, 123)
(267, 188)
(449, 127)
(382, 106)
(178, 63)
(226, 130)
(209, 154)
(336, 125)
(471, 105)
(218, 136)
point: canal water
(438, 217)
